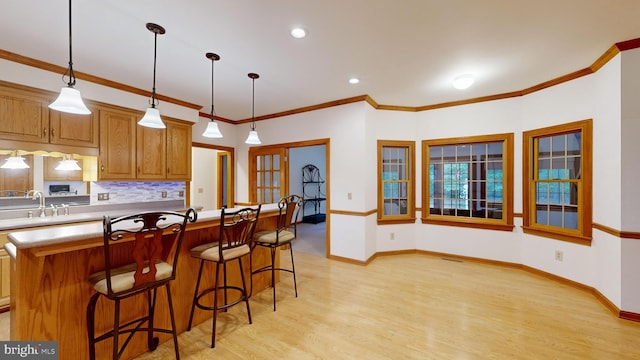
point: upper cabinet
(25, 116)
(73, 129)
(178, 150)
(132, 152)
(117, 155)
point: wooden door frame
(327, 148)
(232, 177)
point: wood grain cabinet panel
(151, 153)
(117, 159)
(178, 150)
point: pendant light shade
(68, 164)
(212, 130)
(69, 100)
(15, 161)
(253, 138)
(151, 117)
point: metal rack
(312, 194)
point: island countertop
(89, 230)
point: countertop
(24, 239)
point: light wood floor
(414, 307)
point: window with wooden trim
(557, 178)
(396, 182)
(468, 181)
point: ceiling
(405, 52)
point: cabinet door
(16, 179)
(151, 153)
(5, 277)
(51, 174)
(178, 151)
(23, 117)
(73, 129)
(117, 145)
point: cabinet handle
(168, 170)
(44, 131)
(102, 167)
(53, 133)
(138, 169)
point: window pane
(558, 145)
(544, 147)
(267, 162)
(276, 162)
(573, 165)
(573, 143)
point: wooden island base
(50, 293)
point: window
(469, 181)
(557, 177)
(396, 182)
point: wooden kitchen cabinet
(117, 155)
(25, 116)
(151, 148)
(178, 150)
(16, 179)
(74, 129)
(51, 174)
(5, 278)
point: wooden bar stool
(153, 240)
(236, 231)
(282, 235)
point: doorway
(277, 169)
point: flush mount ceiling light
(15, 161)
(463, 81)
(151, 117)
(69, 100)
(298, 33)
(253, 138)
(68, 164)
(212, 130)
(354, 81)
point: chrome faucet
(38, 195)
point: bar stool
(284, 234)
(151, 242)
(233, 243)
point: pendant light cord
(253, 104)
(213, 113)
(155, 53)
(72, 76)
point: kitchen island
(50, 292)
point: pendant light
(15, 161)
(69, 100)
(151, 117)
(68, 164)
(212, 130)
(253, 138)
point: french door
(268, 174)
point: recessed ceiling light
(298, 33)
(354, 80)
(463, 81)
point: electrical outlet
(392, 236)
(558, 255)
(103, 196)
(164, 194)
(200, 190)
(349, 196)
(181, 193)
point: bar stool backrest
(157, 237)
(236, 229)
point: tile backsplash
(123, 192)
